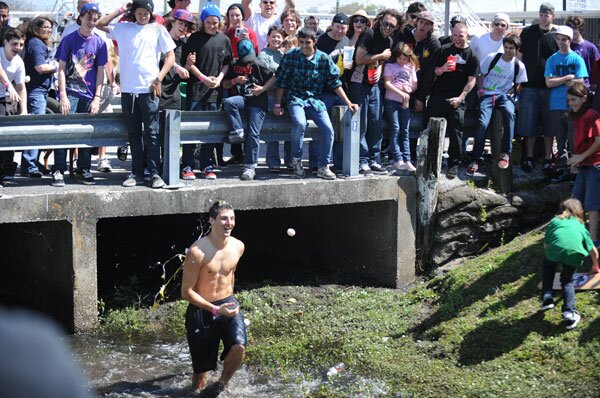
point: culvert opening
(343, 244)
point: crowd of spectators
(251, 61)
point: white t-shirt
(500, 78)
(15, 70)
(140, 47)
(260, 25)
(484, 45)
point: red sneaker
(209, 174)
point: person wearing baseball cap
(563, 68)
(491, 42)
(537, 45)
(141, 84)
(335, 38)
(208, 55)
(453, 21)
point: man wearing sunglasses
(261, 22)
(491, 42)
(372, 50)
(411, 15)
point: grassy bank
(475, 332)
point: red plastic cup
(451, 63)
(371, 75)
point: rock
(527, 199)
(504, 210)
(485, 198)
(449, 219)
(498, 225)
(442, 253)
(456, 197)
(456, 233)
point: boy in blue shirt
(563, 68)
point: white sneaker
(364, 169)
(248, 174)
(571, 319)
(57, 179)
(104, 165)
(399, 165)
(409, 166)
(376, 167)
(325, 173)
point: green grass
(475, 332)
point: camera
(240, 31)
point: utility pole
(337, 6)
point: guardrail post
(502, 178)
(171, 134)
(347, 127)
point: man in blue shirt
(563, 68)
(303, 75)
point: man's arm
(191, 272)
(65, 104)
(277, 110)
(95, 104)
(555, 81)
(289, 4)
(246, 6)
(23, 97)
(364, 58)
(342, 94)
(103, 22)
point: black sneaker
(527, 165)
(122, 153)
(234, 160)
(212, 390)
(85, 177)
(314, 170)
(547, 168)
(452, 172)
(547, 304)
(33, 174)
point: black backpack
(495, 61)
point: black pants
(438, 106)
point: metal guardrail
(109, 129)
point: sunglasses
(412, 16)
(387, 25)
(500, 25)
(268, 2)
(360, 20)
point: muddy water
(163, 369)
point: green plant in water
(471, 184)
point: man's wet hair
(4, 6)
(216, 208)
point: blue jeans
(36, 104)
(256, 117)
(207, 157)
(399, 122)
(84, 155)
(534, 105)
(371, 124)
(506, 105)
(299, 116)
(141, 117)
(566, 281)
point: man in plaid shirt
(303, 75)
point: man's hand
(182, 72)
(65, 104)
(224, 310)
(14, 96)
(386, 54)
(455, 102)
(278, 111)
(257, 90)
(156, 87)
(354, 107)
(211, 82)
(191, 59)
(575, 159)
(95, 106)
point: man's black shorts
(205, 331)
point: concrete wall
(365, 224)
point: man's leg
(233, 361)
(233, 108)
(455, 131)
(199, 380)
(507, 107)
(322, 121)
(485, 114)
(133, 121)
(374, 133)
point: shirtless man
(213, 313)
